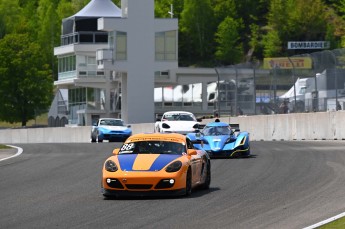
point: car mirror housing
(192, 152)
(116, 151)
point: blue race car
(222, 140)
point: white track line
(19, 152)
(326, 221)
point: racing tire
(100, 140)
(207, 183)
(93, 139)
(189, 182)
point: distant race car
(182, 122)
(155, 164)
(222, 140)
(110, 129)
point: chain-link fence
(301, 83)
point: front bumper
(126, 193)
(115, 136)
(143, 183)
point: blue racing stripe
(162, 161)
(126, 161)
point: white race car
(182, 122)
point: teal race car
(221, 140)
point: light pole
(218, 104)
(336, 78)
(294, 82)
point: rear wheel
(207, 183)
(93, 139)
(189, 182)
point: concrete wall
(303, 126)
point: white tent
(94, 10)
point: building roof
(93, 10)
(99, 8)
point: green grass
(4, 147)
(337, 224)
(40, 120)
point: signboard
(285, 63)
(308, 45)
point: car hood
(145, 162)
(180, 125)
(217, 143)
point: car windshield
(179, 117)
(153, 147)
(216, 130)
(111, 122)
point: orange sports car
(156, 164)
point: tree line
(211, 32)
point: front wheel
(189, 182)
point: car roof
(177, 112)
(110, 119)
(173, 137)
(217, 124)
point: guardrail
(288, 127)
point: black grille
(114, 183)
(164, 184)
(138, 186)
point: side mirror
(116, 151)
(192, 152)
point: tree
(197, 30)
(294, 20)
(272, 44)
(48, 34)
(10, 14)
(162, 8)
(26, 84)
(229, 49)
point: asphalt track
(284, 185)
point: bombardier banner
(308, 45)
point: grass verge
(336, 224)
(40, 120)
(4, 147)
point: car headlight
(229, 140)
(110, 166)
(174, 167)
(165, 126)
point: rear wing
(235, 127)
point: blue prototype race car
(222, 140)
